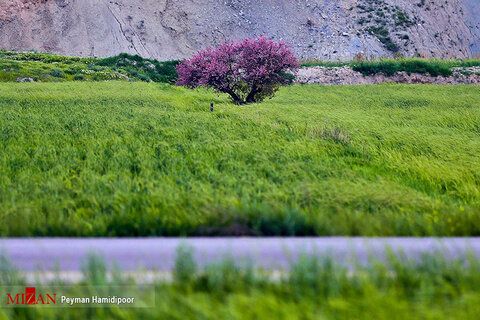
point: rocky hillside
(166, 29)
(347, 76)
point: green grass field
(314, 288)
(128, 159)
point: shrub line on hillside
(29, 66)
(44, 67)
(433, 67)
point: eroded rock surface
(167, 29)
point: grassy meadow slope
(46, 67)
(126, 159)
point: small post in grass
(211, 107)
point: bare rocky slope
(166, 29)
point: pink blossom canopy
(248, 70)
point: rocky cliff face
(166, 29)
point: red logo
(30, 297)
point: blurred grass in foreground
(314, 288)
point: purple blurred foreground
(158, 254)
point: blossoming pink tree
(249, 70)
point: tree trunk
(234, 96)
(251, 96)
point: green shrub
(143, 69)
(70, 71)
(78, 77)
(321, 63)
(382, 34)
(143, 78)
(390, 67)
(402, 19)
(57, 73)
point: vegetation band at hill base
(388, 67)
(46, 67)
(140, 159)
